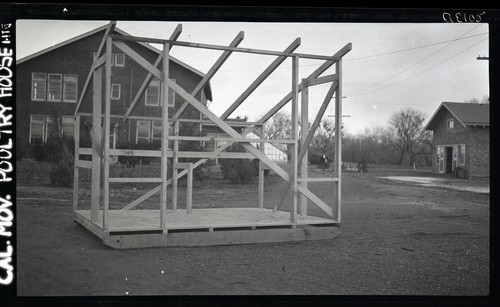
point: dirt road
(396, 239)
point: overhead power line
(415, 64)
(421, 72)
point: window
(54, 88)
(119, 60)
(157, 127)
(115, 91)
(38, 86)
(143, 131)
(68, 126)
(70, 90)
(449, 123)
(37, 129)
(461, 162)
(153, 94)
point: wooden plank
(109, 29)
(76, 137)
(317, 120)
(96, 145)
(189, 188)
(100, 62)
(138, 59)
(83, 164)
(142, 198)
(91, 226)
(217, 65)
(260, 196)
(322, 80)
(316, 200)
(183, 165)
(164, 135)
(174, 173)
(135, 152)
(304, 128)
(318, 180)
(134, 179)
(177, 32)
(221, 237)
(263, 76)
(295, 136)
(220, 139)
(338, 141)
(219, 47)
(214, 155)
(107, 133)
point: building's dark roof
(468, 114)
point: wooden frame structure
(171, 227)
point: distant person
(324, 162)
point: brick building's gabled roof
(208, 90)
(468, 114)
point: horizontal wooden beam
(138, 179)
(219, 47)
(217, 139)
(135, 152)
(187, 165)
(84, 164)
(317, 179)
(321, 80)
(138, 59)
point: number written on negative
(462, 17)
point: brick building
(50, 82)
(461, 136)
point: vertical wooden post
(164, 138)
(338, 139)
(189, 198)
(304, 129)
(295, 136)
(96, 145)
(260, 201)
(76, 137)
(174, 173)
(107, 133)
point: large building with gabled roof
(50, 83)
(461, 137)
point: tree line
(403, 141)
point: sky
(391, 66)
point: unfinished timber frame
(167, 226)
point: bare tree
(279, 126)
(324, 138)
(408, 125)
(484, 100)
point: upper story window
(116, 91)
(119, 60)
(38, 86)
(70, 89)
(450, 123)
(54, 87)
(153, 94)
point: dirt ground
(397, 238)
